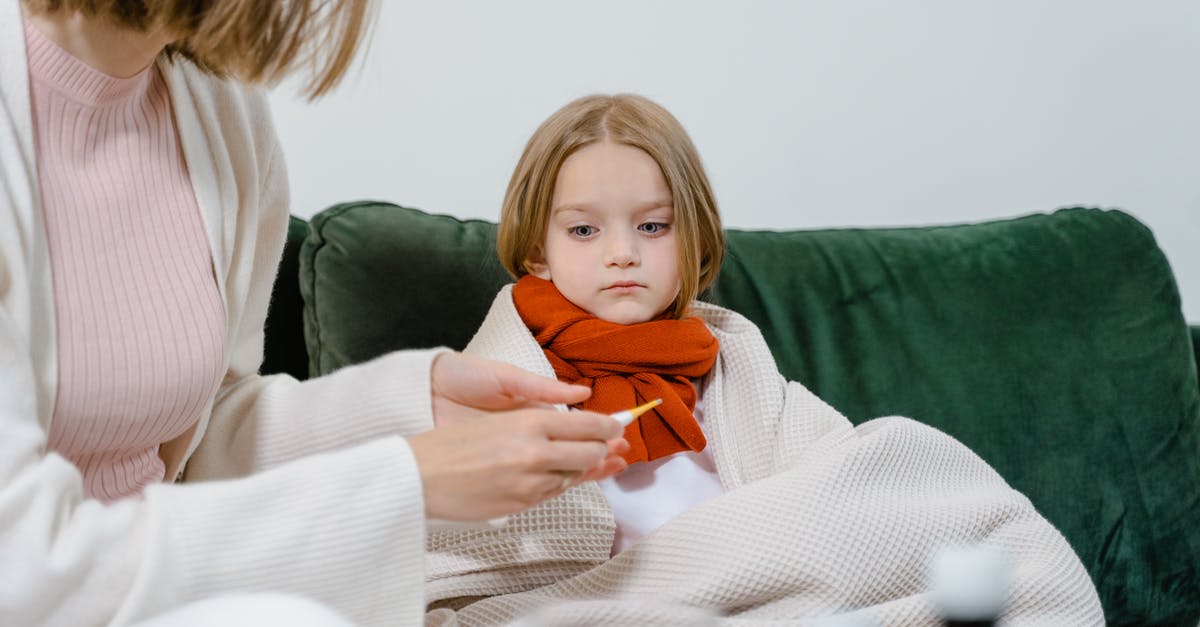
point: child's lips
(623, 287)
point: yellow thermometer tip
(641, 409)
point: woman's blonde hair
(626, 119)
(258, 41)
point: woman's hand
(479, 464)
(501, 463)
(466, 387)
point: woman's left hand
(466, 387)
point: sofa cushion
(1053, 345)
(376, 277)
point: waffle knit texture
(298, 488)
(819, 518)
(625, 365)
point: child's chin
(623, 317)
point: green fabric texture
(1053, 345)
(376, 277)
(1196, 349)
(283, 348)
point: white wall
(808, 114)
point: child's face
(611, 246)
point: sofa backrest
(1053, 345)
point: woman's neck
(116, 51)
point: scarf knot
(625, 365)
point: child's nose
(622, 251)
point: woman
(143, 205)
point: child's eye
(583, 230)
(653, 228)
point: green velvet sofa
(1052, 344)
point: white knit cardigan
(819, 517)
(319, 496)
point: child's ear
(535, 264)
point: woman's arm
(346, 528)
(260, 422)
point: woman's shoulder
(219, 107)
(221, 90)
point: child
(746, 496)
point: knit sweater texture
(123, 256)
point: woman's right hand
(501, 463)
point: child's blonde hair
(626, 119)
(253, 40)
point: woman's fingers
(610, 466)
(581, 425)
(618, 447)
(525, 387)
(500, 463)
(496, 386)
(571, 441)
(574, 457)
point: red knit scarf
(625, 365)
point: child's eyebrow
(567, 208)
(645, 207)
(663, 203)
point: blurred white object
(970, 583)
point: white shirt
(649, 494)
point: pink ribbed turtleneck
(140, 321)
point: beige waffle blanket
(820, 519)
